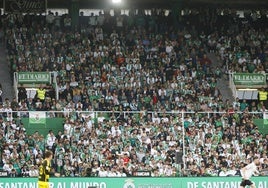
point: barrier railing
(69, 112)
(182, 118)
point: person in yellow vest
(263, 95)
(44, 170)
(41, 93)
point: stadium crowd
(155, 88)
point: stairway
(223, 82)
(5, 79)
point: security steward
(41, 94)
(263, 96)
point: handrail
(95, 114)
(131, 112)
(232, 85)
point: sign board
(33, 77)
(142, 173)
(265, 118)
(249, 79)
(132, 182)
(25, 6)
(3, 173)
(37, 117)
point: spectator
(33, 171)
(149, 81)
(1, 92)
(22, 93)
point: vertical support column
(183, 141)
(176, 11)
(74, 13)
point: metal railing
(139, 116)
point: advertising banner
(25, 6)
(33, 77)
(265, 118)
(249, 79)
(37, 117)
(146, 182)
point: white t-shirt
(250, 169)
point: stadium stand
(152, 86)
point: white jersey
(249, 170)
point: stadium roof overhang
(163, 4)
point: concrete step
(6, 82)
(223, 82)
